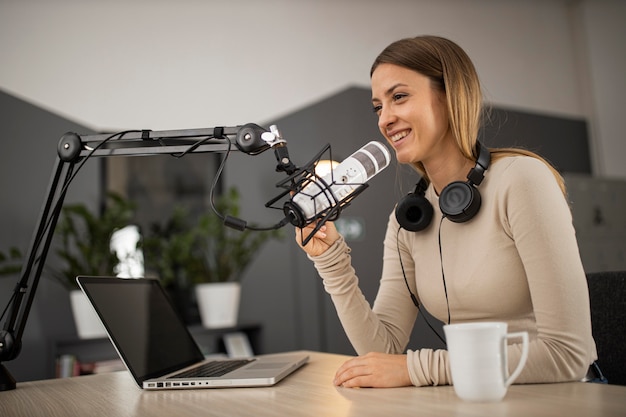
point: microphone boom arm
(71, 149)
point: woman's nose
(385, 119)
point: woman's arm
(540, 223)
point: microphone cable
(231, 221)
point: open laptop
(157, 348)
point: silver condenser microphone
(336, 189)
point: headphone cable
(443, 275)
(414, 297)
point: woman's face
(412, 114)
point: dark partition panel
(562, 141)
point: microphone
(324, 197)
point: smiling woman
(509, 255)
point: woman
(515, 259)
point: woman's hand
(376, 370)
(321, 241)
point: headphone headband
(483, 161)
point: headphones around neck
(459, 201)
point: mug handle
(522, 360)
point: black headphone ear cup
(459, 201)
(414, 212)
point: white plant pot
(218, 304)
(88, 324)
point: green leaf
(85, 238)
(185, 250)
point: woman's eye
(398, 96)
(377, 109)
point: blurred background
(551, 69)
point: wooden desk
(308, 392)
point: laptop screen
(146, 329)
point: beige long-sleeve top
(516, 261)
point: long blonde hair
(451, 70)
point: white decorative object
(218, 303)
(88, 324)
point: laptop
(157, 348)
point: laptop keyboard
(212, 369)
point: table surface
(307, 392)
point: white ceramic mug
(478, 359)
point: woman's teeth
(399, 136)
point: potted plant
(201, 253)
(85, 249)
